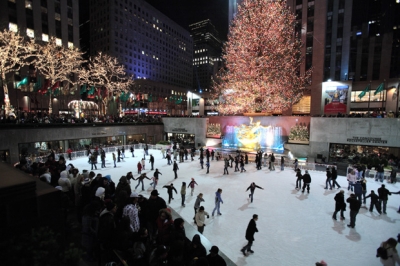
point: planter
(306, 142)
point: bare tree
(57, 64)
(14, 51)
(105, 72)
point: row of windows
(31, 34)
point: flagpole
(369, 96)
(397, 99)
(384, 86)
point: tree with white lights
(58, 64)
(13, 53)
(263, 58)
(105, 73)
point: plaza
(294, 228)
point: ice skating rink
(294, 228)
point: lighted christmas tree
(263, 59)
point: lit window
(30, 33)
(13, 27)
(70, 45)
(58, 42)
(45, 37)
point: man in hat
(340, 205)
(131, 211)
(250, 231)
(214, 259)
(153, 206)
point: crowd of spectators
(118, 224)
(45, 118)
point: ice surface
(294, 228)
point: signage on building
(179, 130)
(367, 140)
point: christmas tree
(263, 59)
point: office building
(155, 50)
(43, 19)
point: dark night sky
(185, 12)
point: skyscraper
(42, 19)
(206, 54)
(155, 50)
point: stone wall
(12, 137)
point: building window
(12, 27)
(30, 33)
(45, 37)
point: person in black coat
(340, 205)
(334, 177)
(328, 178)
(170, 189)
(250, 231)
(196, 249)
(306, 182)
(374, 202)
(299, 177)
(355, 206)
(383, 197)
(175, 168)
(252, 187)
(214, 259)
(153, 205)
(151, 161)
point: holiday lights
(108, 76)
(57, 64)
(13, 53)
(262, 57)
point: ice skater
(218, 201)
(340, 205)
(355, 206)
(140, 180)
(200, 219)
(250, 231)
(191, 185)
(298, 180)
(183, 194)
(334, 177)
(306, 182)
(253, 187)
(197, 203)
(208, 166)
(175, 168)
(226, 165)
(328, 178)
(170, 190)
(374, 202)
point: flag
(55, 86)
(22, 82)
(150, 98)
(37, 85)
(379, 89)
(83, 89)
(362, 94)
(91, 91)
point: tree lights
(263, 59)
